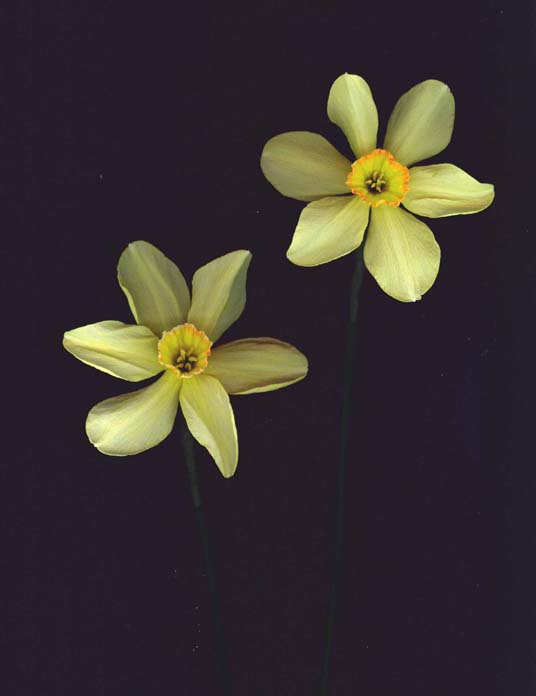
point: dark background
(138, 121)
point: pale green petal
(219, 293)
(305, 166)
(126, 351)
(440, 190)
(155, 288)
(328, 229)
(256, 365)
(401, 253)
(421, 123)
(352, 108)
(209, 416)
(132, 423)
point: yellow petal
(128, 352)
(421, 123)
(440, 190)
(132, 423)
(256, 365)
(328, 229)
(209, 416)
(219, 293)
(155, 288)
(304, 165)
(401, 253)
(352, 108)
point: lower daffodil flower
(400, 250)
(174, 336)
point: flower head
(174, 336)
(400, 250)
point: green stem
(188, 445)
(351, 340)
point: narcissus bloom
(174, 335)
(400, 250)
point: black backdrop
(143, 122)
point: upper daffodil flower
(174, 335)
(400, 250)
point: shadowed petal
(328, 229)
(440, 190)
(155, 288)
(132, 423)
(219, 293)
(401, 253)
(126, 351)
(256, 365)
(352, 108)
(209, 416)
(421, 123)
(305, 166)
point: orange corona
(378, 179)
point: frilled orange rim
(378, 179)
(184, 350)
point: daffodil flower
(173, 335)
(400, 250)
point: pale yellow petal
(421, 123)
(155, 288)
(209, 416)
(401, 253)
(440, 190)
(132, 423)
(253, 365)
(219, 293)
(352, 108)
(305, 166)
(328, 229)
(126, 351)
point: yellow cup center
(378, 179)
(184, 350)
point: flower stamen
(376, 182)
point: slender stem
(188, 445)
(351, 339)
